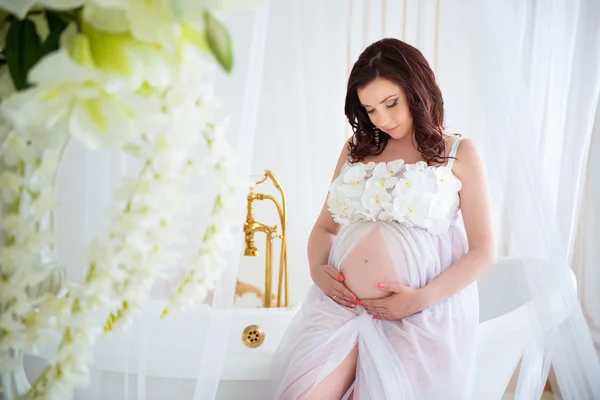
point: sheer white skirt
(427, 356)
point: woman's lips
(392, 129)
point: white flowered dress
(427, 356)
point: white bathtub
(171, 365)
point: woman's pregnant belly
(369, 263)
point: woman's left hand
(403, 302)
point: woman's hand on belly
(403, 302)
(329, 280)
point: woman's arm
(321, 238)
(476, 211)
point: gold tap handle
(282, 211)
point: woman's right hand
(329, 280)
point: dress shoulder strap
(453, 151)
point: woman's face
(387, 107)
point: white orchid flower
(393, 167)
(370, 166)
(387, 213)
(413, 207)
(447, 181)
(354, 180)
(403, 186)
(374, 201)
(340, 205)
(419, 167)
(382, 179)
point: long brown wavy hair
(404, 65)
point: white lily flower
(100, 112)
(153, 21)
(21, 7)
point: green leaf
(3, 16)
(56, 21)
(22, 46)
(219, 41)
(57, 25)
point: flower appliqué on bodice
(414, 195)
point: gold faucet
(272, 232)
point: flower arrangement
(410, 194)
(131, 75)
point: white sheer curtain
(301, 124)
(534, 67)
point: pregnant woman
(394, 255)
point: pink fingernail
(353, 298)
(380, 285)
(341, 278)
(352, 305)
(361, 303)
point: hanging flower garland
(130, 75)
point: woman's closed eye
(391, 105)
